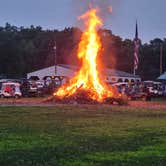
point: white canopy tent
(162, 76)
(109, 75)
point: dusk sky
(58, 14)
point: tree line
(25, 49)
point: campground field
(82, 135)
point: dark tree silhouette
(23, 50)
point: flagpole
(55, 58)
(136, 50)
(134, 71)
(161, 59)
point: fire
(88, 78)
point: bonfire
(87, 85)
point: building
(162, 77)
(68, 71)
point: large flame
(87, 78)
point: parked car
(139, 95)
(40, 87)
(133, 91)
(33, 89)
(164, 90)
(156, 89)
(10, 89)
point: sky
(58, 14)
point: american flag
(136, 49)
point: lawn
(82, 136)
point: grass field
(82, 136)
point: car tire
(148, 98)
(16, 96)
(2, 96)
(129, 98)
(144, 98)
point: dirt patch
(148, 104)
(40, 102)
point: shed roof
(162, 76)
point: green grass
(82, 136)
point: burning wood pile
(84, 97)
(87, 85)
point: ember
(87, 84)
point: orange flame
(88, 76)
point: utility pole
(161, 59)
(55, 58)
(136, 50)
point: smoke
(107, 8)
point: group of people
(132, 88)
(141, 88)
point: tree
(23, 50)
